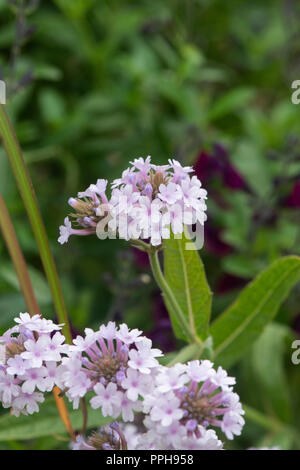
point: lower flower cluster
(178, 407)
(30, 355)
(187, 401)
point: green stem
(17, 257)
(169, 296)
(141, 245)
(271, 424)
(266, 422)
(190, 352)
(24, 183)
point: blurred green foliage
(95, 84)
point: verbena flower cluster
(117, 364)
(189, 399)
(30, 354)
(181, 406)
(145, 202)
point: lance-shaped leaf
(244, 321)
(270, 349)
(184, 272)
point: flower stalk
(169, 296)
(17, 258)
(14, 154)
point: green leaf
(243, 322)
(43, 294)
(231, 102)
(184, 272)
(45, 423)
(270, 349)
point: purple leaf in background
(228, 282)
(293, 199)
(214, 243)
(217, 162)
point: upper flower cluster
(30, 354)
(144, 203)
(118, 364)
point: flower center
(200, 409)
(97, 439)
(13, 349)
(85, 208)
(106, 367)
(156, 179)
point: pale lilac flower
(167, 410)
(8, 388)
(81, 343)
(79, 385)
(52, 376)
(108, 398)
(143, 359)
(16, 366)
(65, 231)
(99, 187)
(27, 403)
(109, 331)
(207, 441)
(131, 435)
(34, 378)
(174, 216)
(54, 347)
(178, 169)
(136, 384)
(232, 424)
(126, 175)
(45, 326)
(142, 165)
(191, 194)
(128, 336)
(128, 407)
(171, 378)
(30, 323)
(36, 351)
(34, 323)
(169, 193)
(174, 433)
(200, 371)
(221, 379)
